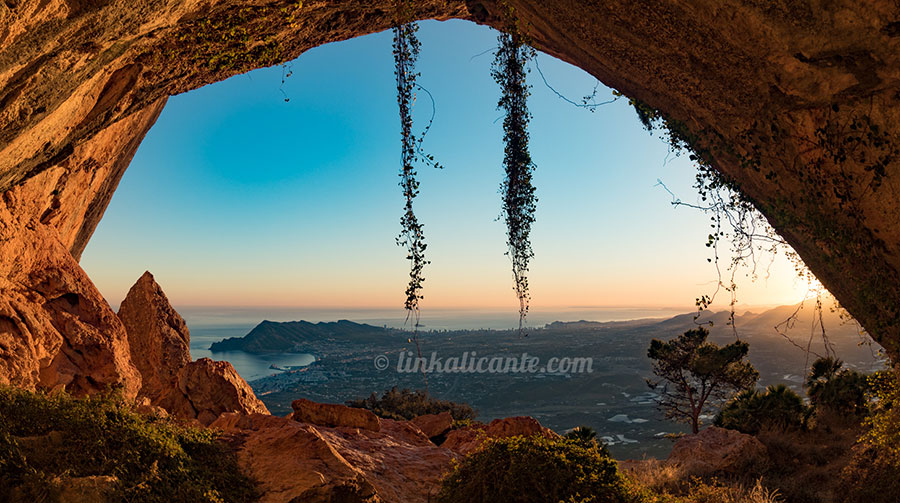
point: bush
(539, 470)
(406, 404)
(751, 411)
(586, 436)
(839, 390)
(873, 475)
(153, 459)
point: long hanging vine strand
(519, 201)
(412, 237)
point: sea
(212, 324)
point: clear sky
(238, 198)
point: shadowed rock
(433, 425)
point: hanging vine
(734, 218)
(519, 201)
(412, 236)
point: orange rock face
(56, 330)
(207, 388)
(714, 450)
(333, 415)
(159, 341)
(314, 463)
(295, 461)
(772, 88)
(158, 337)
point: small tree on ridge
(694, 374)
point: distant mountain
(759, 329)
(303, 336)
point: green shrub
(873, 475)
(153, 459)
(751, 411)
(539, 470)
(586, 436)
(840, 390)
(407, 404)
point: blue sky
(239, 198)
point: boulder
(296, 461)
(433, 425)
(465, 440)
(515, 426)
(158, 337)
(716, 450)
(333, 415)
(207, 388)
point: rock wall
(796, 102)
(56, 330)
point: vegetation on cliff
(48, 439)
(536, 469)
(408, 404)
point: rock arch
(81, 82)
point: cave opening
(272, 195)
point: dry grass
(801, 467)
(667, 483)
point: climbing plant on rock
(519, 201)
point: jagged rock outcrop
(772, 92)
(334, 415)
(716, 450)
(296, 461)
(158, 337)
(159, 341)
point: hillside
(303, 336)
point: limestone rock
(465, 440)
(56, 330)
(157, 335)
(316, 463)
(207, 388)
(160, 348)
(715, 450)
(515, 426)
(296, 461)
(433, 425)
(333, 415)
